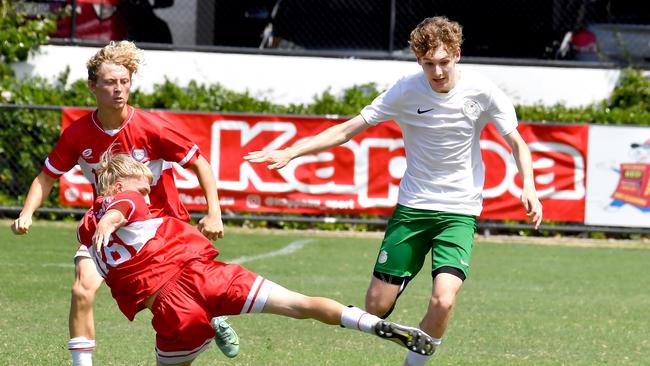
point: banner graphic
(360, 177)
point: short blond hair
(122, 53)
(434, 32)
(114, 167)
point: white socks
(355, 318)
(416, 359)
(81, 349)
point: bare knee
(86, 284)
(381, 297)
(442, 304)
(83, 294)
(379, 306)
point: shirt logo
(424, 111)
(87, 153)
(139, 154)
(471, 108)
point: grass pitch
(523, 304)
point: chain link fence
(616, 31)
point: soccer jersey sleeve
(131, 204)
(63, 157)
(502, 112)
(175, 146)
(385, 107)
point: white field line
(291, 248)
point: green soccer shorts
(411, 233)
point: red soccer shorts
(200, 291)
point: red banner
(361, 176)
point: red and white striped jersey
(145, 136)
(143, 254)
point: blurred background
(524, 31)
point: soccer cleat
(226, 339)
(412, 338)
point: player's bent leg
(441, 303)
(446, 284)
(84, 289)
(80, 321)
(381, 297)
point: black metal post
(391, 26)
(73, 21)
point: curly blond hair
(114, 167)
(122, 53)
(433, 32)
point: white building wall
(284, 79)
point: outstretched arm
(333, 136)
(211, 225)
(112, 220)
(524, 162)
(40, 188)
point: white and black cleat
(412, 338)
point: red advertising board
(361, 176)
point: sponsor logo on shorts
(383, 257)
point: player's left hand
(101, 238)
(533, 207)
(211, 227)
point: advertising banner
(361, 176)
(558, 154)
(618, 184)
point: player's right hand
(21, 225)
(275, 159)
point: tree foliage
(20, 34)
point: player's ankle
(355, 318)
(81, 350)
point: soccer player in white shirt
(441, 111)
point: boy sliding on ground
(167, 266)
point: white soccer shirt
(444, 168)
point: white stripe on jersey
(188, 156)
(128, 201)
(52, 168)
(114, 131)
(137, 234)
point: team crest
(471, 109)
(139, 155)
(383, 257)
